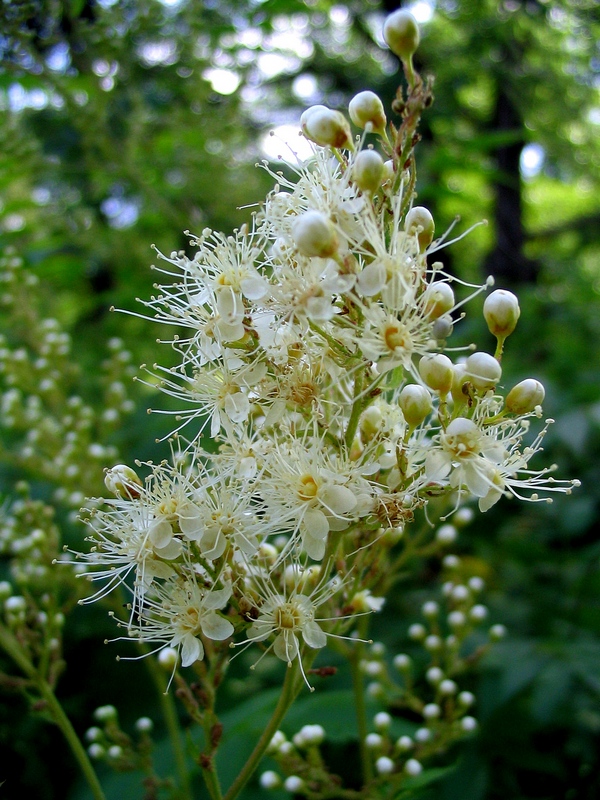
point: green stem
(212, 783)
(289, 691)
(360, 707)
(11, 646)
(169, 713)
(357, 408)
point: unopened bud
(415, 402)
(323, 126)
(368, 170)
(525, 396)
(401, 34)
(483, 371)
(459, 379)
(436, 371)
(366, 111)
(439, 299)
(123, 481)
(371, 422)
(315, 235)
(501, 311)
(419, 222)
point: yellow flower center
(308, 488)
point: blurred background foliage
(124, 123)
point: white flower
(179, 613)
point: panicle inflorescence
(313, 353)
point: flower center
(287, 617)
(308, 488)
(396, 336)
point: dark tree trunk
(507, 262)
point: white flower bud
(382, 721)
(447, 687)
(434, 675)
(115, 751)
(105, 713)
(416, 631)
(388, 172)
(367, 112)
(497, 632)
(459, 379)
(456, 619)
(431, 711)
(413, 767)
(525, 396)
(483, 371)
(438, 299)
(436, 371)
(432, 642)
(367, 171)
(466, 699)
(468, 724)
(463, 517)
(430, 609)
(371, 422)
(293, 784)
(419, 223)
(144, 724)
(460, 592)
(270, 780)
(478, 613)
(384, 765)
(476, 584)
(373, 741)
(323, 126)
(93, 734)
(312, 734)
(315, 235)
(405, 743)
(123, 481)
(422, 735)
(415, 402)
(96, 751)
(501, 311)
(402, 662)
(168, 658)
(401, 34)
(277, 740)
(446, 534)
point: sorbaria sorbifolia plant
(314, 361)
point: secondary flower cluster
(313, 358)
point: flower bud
(459, 378)
(368, 170)
(413, 767)
(415, 402)
(439, 299)
(419, 222)
(366, 111)
(401, 33)
(371, 423)
(315, 235)
(323, 126)
(525, 396)
(483, 371)
(442, 328)
(123, 481)
(501, 311)
(384, 765)
(436, 370)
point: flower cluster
(318, 406)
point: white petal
(254, 287)
(337, 499)
(315, 523)
(315, 548)
(286, 646)
(191, 651)
(437, 465)
(160, 532)
(217, 598)
(237, 407)
(216, 627)
(313, 635)
(171, 551)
